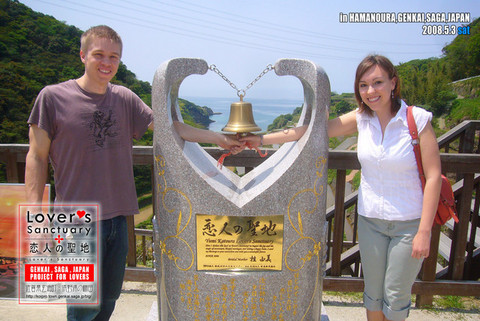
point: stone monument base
(153, 315)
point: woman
(395, 215)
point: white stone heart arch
(238, 190)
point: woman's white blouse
(390, 188)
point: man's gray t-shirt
(91, 144)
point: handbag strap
(412, 128)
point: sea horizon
(265, 110)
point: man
(86, 127)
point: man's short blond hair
(101, 31)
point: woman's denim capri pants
(389, 269)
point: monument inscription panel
(239, 243)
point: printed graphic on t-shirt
(102, 127)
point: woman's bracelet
(261, 140)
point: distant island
(196, 114)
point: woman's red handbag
(446, 204)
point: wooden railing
(453, 267)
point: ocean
(264, 110)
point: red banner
(59, 272)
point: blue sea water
(264, 110)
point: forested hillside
(428, 82)
(37, 50)
(432, 83)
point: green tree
(463, 53)
(343, 107)
(426, 82)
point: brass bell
(241, 118)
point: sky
(241, 38)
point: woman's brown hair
(384, 63)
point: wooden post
(459, 240)
(12, 168)
(470, 272)
(144, 250)
(21, 172)
(132, 246)
(469, 140)
(429, 269)
(339, 223)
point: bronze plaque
(239, 243)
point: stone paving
(137, 302)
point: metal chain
(241, 92)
